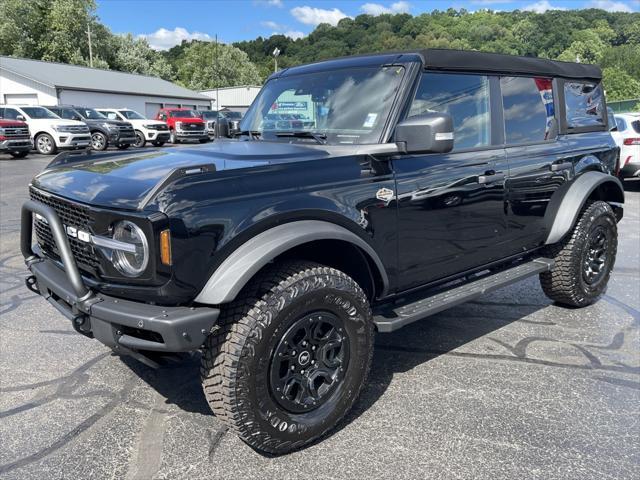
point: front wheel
(203, 140)
(291, 357)
(45, 145)
(173, 138)
(584, 258)
(99, 141)
(19, 154)
(158, 144)
(140, 140)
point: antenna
(90, 50)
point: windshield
(209, 115)
(66, 113)
(232, 115)
(38, 113)
(183, 114)
(131, 115)
(349, 106)
(91, 114)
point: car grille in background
(16, 132)
(71, 215)
(76, 129)
(193, 126)
(162, 126)
(126, 129)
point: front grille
(71, 215)
(162, 127)
(126, 129)
(76, 129)
(16, 132)
(192, 126)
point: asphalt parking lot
(510, 386)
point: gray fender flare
(239, 267)
(565, 204)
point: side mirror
(426, 133)
(77, 117)
(20, 118)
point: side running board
(396, 316)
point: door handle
(557, 167)
(490, 177)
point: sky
(165, 23)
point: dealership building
(237, 99)
(35, 82)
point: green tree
(134, 55)
(619, 85)
(202, 66)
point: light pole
(276, 52)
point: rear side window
(584, 104)
(465, 98)
(528, 109)
(621, 123)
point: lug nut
(293, 367)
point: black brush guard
(123, 325)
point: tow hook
(82, 324)
(32, 284)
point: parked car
(184, 124)
(104, 132)
(627, 136)
(48, 131)
(430, 178)
(220, 122)
(146, 130)
(15, 138)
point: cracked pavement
(509, 386)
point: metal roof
(74, 77)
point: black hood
(118, 123)
(124, 180)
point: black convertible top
(461, 60)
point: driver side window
(465, 98)
(10, 114)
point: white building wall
(14, 85)
(144, 104)
(233, 97)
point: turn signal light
(165, 247)
(632, 141)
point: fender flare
(245, 261)
(567, 202)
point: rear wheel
(140, 140)
(45, 145)
(22, 154)
(584, 258)
(291, 356)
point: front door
(451, 206)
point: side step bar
(394, 317)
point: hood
(57, 121)
(117, 123)
(11, 123)
(187, 119)
(128, 180)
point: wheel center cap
(304, 358)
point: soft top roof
(459, 60)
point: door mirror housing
(427, 133)
(20, 118)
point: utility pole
(90, 50)
(217, 82)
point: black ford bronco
(360, 195)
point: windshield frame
(396, 106)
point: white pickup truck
(48, 131)
(146, 130)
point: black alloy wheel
(309, 361)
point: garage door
(21, 98)
(151, 109)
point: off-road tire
(566, 283)
(236, 360)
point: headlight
(178, 125)
(151, 127)
(61, 128)
(109, 126)
(1, 131)
(128, 263)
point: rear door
(451, 206)
(535, 157)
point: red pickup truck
(15, 138)
(184, 124)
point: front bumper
(16, 145)
(157, 135)
(74, 140)
(124, 325)
(192, 135)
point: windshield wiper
(319, 137)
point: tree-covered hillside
(55, 30)
(595, 36)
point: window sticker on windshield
(370, 120)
